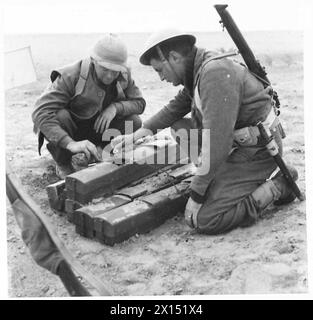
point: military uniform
(68, 108)
(223, 97)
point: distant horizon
(143, 32)
(79, 44)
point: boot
(287, 194)
(275, 190)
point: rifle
(252, 63)
(259, 72)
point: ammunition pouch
(250, 136)
(247, 137)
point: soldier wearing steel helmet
(231, 186)
(84, 100)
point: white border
(273, 9)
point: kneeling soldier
(226, 102)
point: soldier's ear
(175, 56)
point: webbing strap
(217, 57)
(84, 70)
(220, 56)
(204, 63)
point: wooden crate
(84, 216)
(56, 195)
(140, 215)
(105, 178)
(112, 202)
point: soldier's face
(105, 75)
(166, 71)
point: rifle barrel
(240, 42)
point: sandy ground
(269, 257)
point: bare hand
(104, 119)
(122, 141)
(191, 212)
(84, 146)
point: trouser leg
(229, 203)
(230, 200)
(84, 130)
(134, 122)
(117, 127)
(67, 123)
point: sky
(82, 16)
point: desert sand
(268, 257)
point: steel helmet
(110, 52)
(159, 37)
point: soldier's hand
(120, 142)
(84, 146)
(104, 119)
(191, 212)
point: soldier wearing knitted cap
(84, 100)
(231, 186)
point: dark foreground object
(46, 247)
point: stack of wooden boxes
(112, 202)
